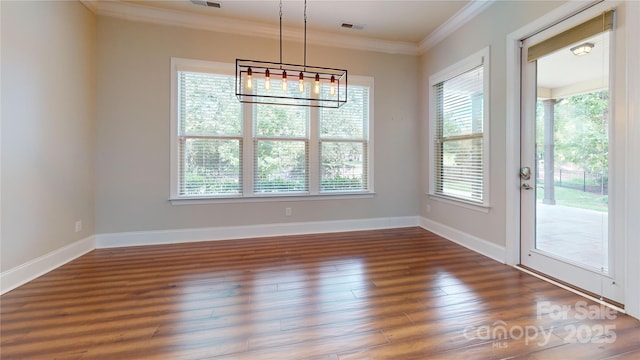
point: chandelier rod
(305, 35)
(337, 94)
(280, 34)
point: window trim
(479, 58)
(248, 194)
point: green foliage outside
(281, 166)
(581, 142)
(339, 183)
(208, 108)
(577, 199)
(581, 131)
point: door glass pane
(572, 148)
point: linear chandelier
(265, 82)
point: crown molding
(90, 4)
(140, 13)
(148, 14)
(464, 15)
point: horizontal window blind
(210, 166)
(344, 166)
(281, 149)
(281, 121)
(209, 135)
(281, 166)
(344, 135)
(351, 120)
(458, 143)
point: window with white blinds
(344, 139)
(224, 149)
(281, 145)
(209, 135)
(458, 124)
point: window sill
(270, 198)
(460, 203)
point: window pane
(211, 167)
(281, 166)
(460, 170)
(275, 90)
(281, 121)
(207, 105)
(349, 121)
(343, 165)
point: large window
(224, 149)
(459, 131)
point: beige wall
(48, 92)
(490, 28)
(133, 124)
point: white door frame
(630, 229)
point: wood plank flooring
(385, 294)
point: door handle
(525, 186)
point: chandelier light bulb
(249, 78)
(284, 80)
(267, 80)
(301, 82)
(332, 86)
(316, 88)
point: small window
(459, 131)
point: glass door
(565, 162)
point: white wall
(48, 96)
(133, 124)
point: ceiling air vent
(206, 3)
(352, 26)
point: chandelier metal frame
(316, 96)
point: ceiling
(402, 26)
(392, 26)
(409, 21)
(562, 73)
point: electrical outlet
(287, 212)
(78, 225)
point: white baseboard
(239, 232)
(30, 270)
(484, 247)
(24, 273)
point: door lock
(525, 173)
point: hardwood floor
(387, 294)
